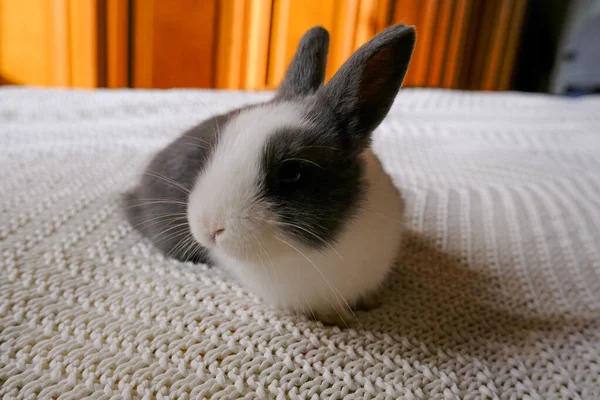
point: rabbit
(287, 194)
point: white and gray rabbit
(287, 194)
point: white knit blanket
(497, 294)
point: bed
(496, 295)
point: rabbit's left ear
(364, 88)
(306, 72)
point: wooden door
(350, 24)
(173, 43)
(33, 42)
(50, 43)
(244, 28)
(246, 44)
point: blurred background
(527, 45)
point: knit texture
(497, 293)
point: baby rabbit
(287, 194)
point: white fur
(325, 281)
(225, 192)
(288, 274)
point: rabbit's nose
(216, 233)
(213, 228)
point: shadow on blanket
(437, 304)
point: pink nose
(217, 232)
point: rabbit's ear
(364, 88)
(306, 72)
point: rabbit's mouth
(241, 238)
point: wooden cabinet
(246, 44)
(242, 44)
(32, 45)
(350, 24)
(50, 43)
(173, 43)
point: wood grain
(142, 43)
(497, 45)
(409, 12)
(481, 40)
(472, 38)
(247, 44)
(291, 19)
(117, 43)
(60, 68)
(440, 42)
(230, 48)
(512, 44)
(27, 41)
(83, 43)
(457, 43)
(243, 44)
(50, 43)
(341, 42)
(256, 50)
(423, 52)
(372, 18)
(174, 43)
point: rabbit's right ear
(306, 72)
(364, 88)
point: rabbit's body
(287, 194)
(328, 281)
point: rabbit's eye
(290, 172)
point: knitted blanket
(496, 295)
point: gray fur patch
(157, 207)
(315, 208)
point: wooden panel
(117, 43)
(84, 44)
(174, 43)
(464, 44)
(60, 68)
(350, 23)
(256, 52)
(142, 42)
(383, 15)
(441, 36)
(33, 46)
(50, 43)
(469, 55)
(421, 58)
(409, 12)
(457, 42)
(243, 49)
(493, 36)
(342, 33)
(291, 19)
(497, 46)
(372, 18)
(481, 38)
(231, 44)
(512, 45)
